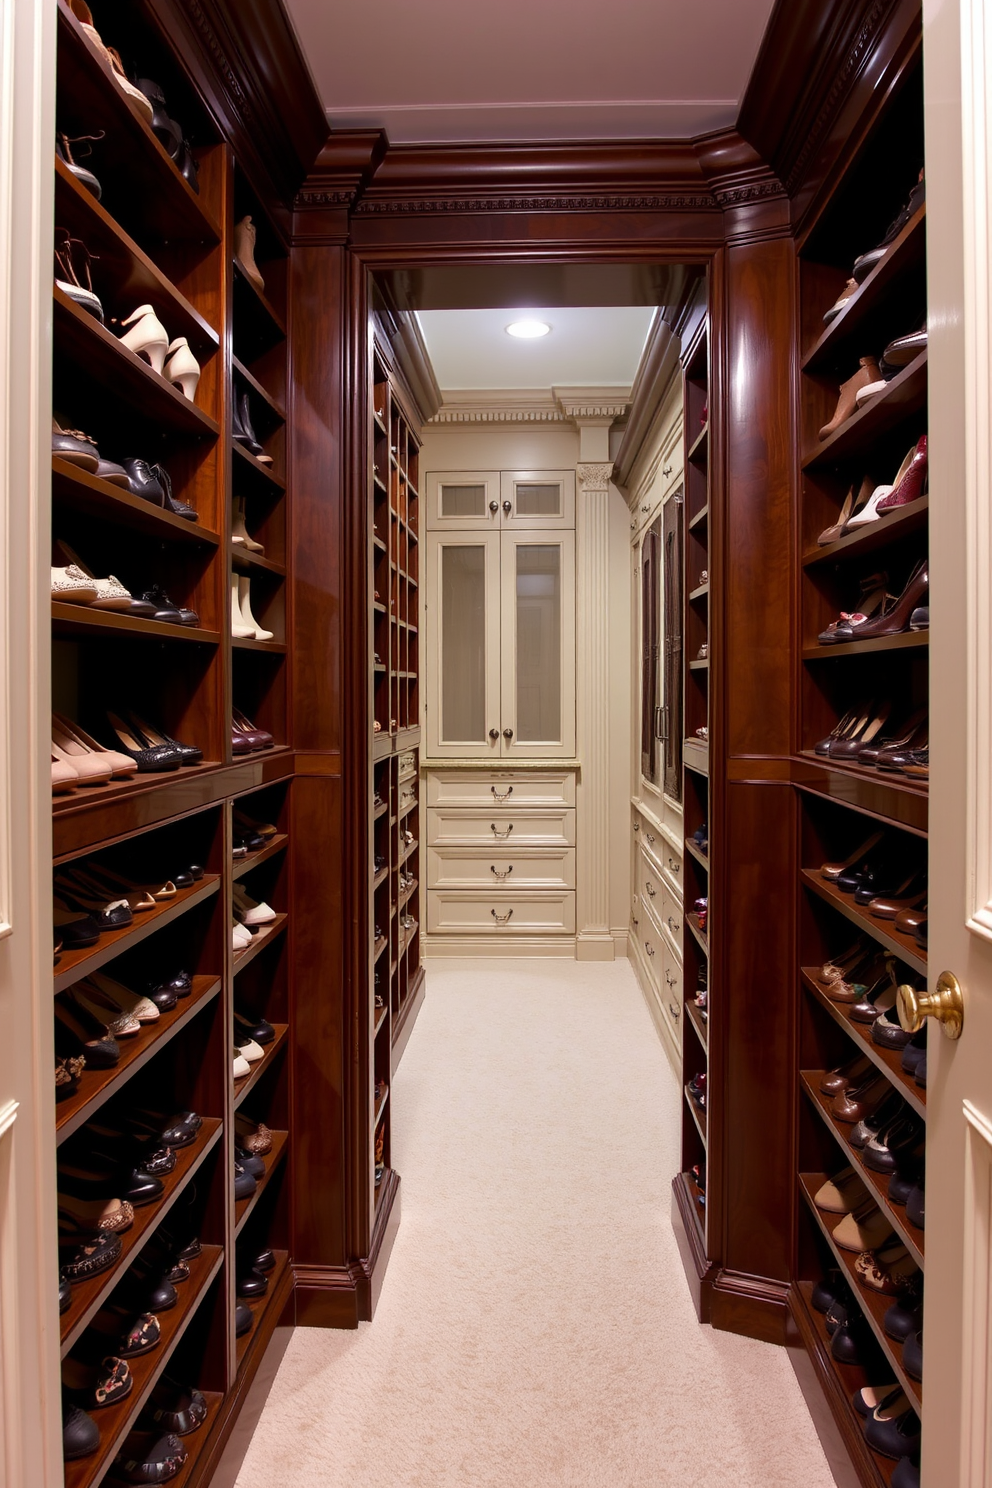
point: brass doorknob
(946, 1004)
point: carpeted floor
(534, 1330)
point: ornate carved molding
(323, 199)
(735, 196)
(538, 406)
(593, 476)
(662, 202)
(863, 43)
(610, 411)
(498, 416)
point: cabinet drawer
(671, 986)
(450, 912)
(670, 912)
(489, 868)
(505, 829)
(490, 788)
(649, 886)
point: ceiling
(586, 347)
(446, 70)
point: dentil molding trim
(558, 406)
(428, 205)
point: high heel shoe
(870, 511)
(148, 758)
(74, 741)
(871, 724)
(852, 505)
(257, 738)
(146, 336)
(189, 754)
(901, 751)
(868, 371)
(181, 367)
(239, 532)
(244, 591)
(177, 508)
(895, 619)
(64, 777)
(90, 769)
(69, 278)
(244, 252)
(239, 626)
(840, 728)
(911, 483)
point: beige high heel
(247, 617)
(90, 769)
(64, 777)
(70, 737)
(181, 367)
(239, 626)
(146, 336)
(239, 532)
(244, 252)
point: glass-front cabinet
(500, 620)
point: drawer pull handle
(496, 831)
(502, 795)
(504, 874)
(672, 926)
(667, 471)
(649, 886)
(637, 826)
(675, 867)
(669, 978)
(649, 948)
(634, 920)
(501, 919)
(650, 837)
(674, 1012)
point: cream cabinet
(500, 625)
(493, 500)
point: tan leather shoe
(842, 1194)
(867, 372)
(865, 1229)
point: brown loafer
(854, 1103)
(868, 371)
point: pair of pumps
(146, 336)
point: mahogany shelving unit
(156, 240)
(397, 977)
(841, 803)
(693, 1199)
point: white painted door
(537, 647)
(461, 612)
(957, 1421)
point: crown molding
(553, 407)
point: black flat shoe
(74, 930)
(147, 1457)
(77, 1035)
(912, 1355)
(243, 1319)
(165, 993)
(252, 1284)
(174, 1407)
(264, 1261)
(244, 1184)
(80, 1434)
(167, 609)
(251, 1164)
(262, 1032)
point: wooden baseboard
(473, 946)
(409, 1012)
(699, 1272)
(837, 1426)
(750, 1305)
(344, 1296)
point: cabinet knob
(674, 1012)
(946, 1004)
(649, 886)
(667, 470)
(650, 837)
(507, 507)
(494, 734)
(637, 826)
(507, 733)
(494, 507)
(646, 507)
(649, 948)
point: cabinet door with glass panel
(467, 500)
(500, 622)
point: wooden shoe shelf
(695, 1203)
(841, 803)
(155, 240)
(396, 977)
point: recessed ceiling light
(528, 330)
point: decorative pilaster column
(594, 940)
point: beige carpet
(534, 1330)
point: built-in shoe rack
(196, 838)
(859, 694)
(394, 551)
(695, 1224)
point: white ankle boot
(246, 615)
